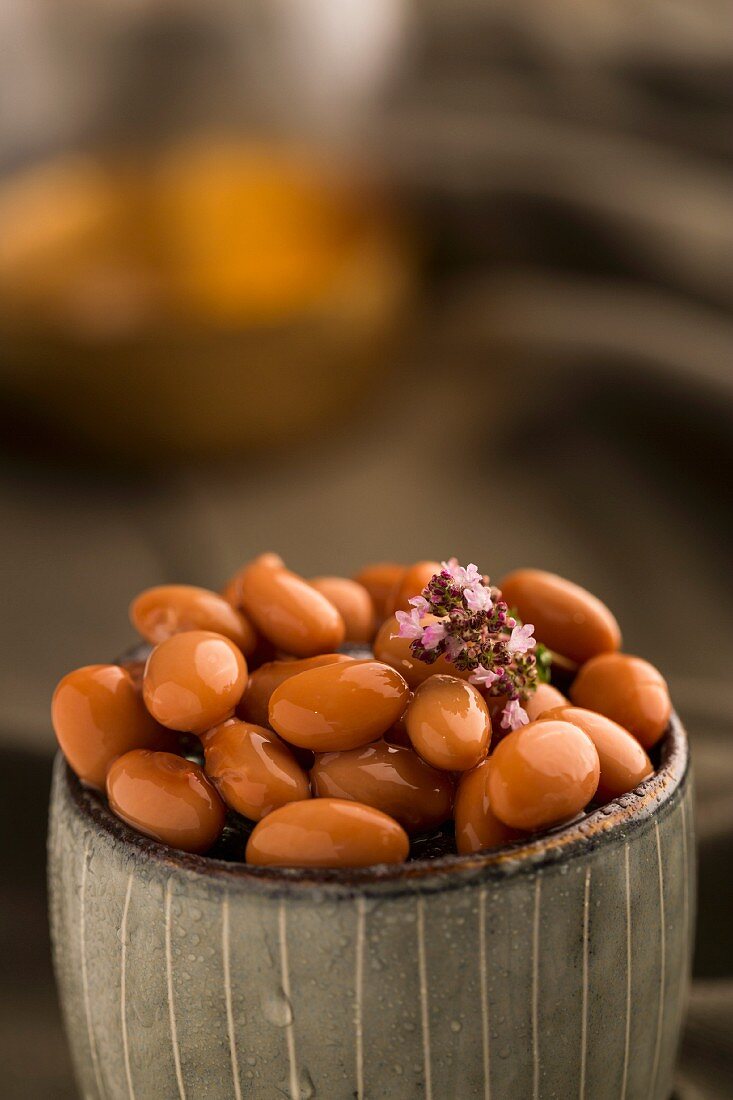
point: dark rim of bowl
(613, 821)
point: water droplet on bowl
(307, 1088)
(277, 1008)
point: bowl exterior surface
(537, 979)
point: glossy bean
(289, 611)
(566, 617)
(255, 703)
(390, 778)
(628, 690)
(194, 680)
(624, 763)
(232, 592)
(98, 714)
(252, 769)
(157, 613)
(327, 832)
(136, 667)
(544, 698)
(496, 704)
(410, 584)
(477, 826)
(264, 653)
(542, 774)
(338, 706)
(380, 581)
(353, 603)
(397, 733)
(166, 798)
(448, 724)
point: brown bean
(255, 703)
(566, 617)
(477, 826)
(252, 769)
(397, 653)
(157, 613)
(231, 591)
(392, 779)
(353, 603)
(496, 704)
(448, 724)
(339, 706)
(380, 581)
(542, 774)
(98, 714)
(136, 667)
(289, 611)
(327, 832)
(628, 690)
(194, 680)
(397, 733)
(166, 798)
(624, 764)
(264, 653)
(544, 698)
(410, 584)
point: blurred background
(355, 280)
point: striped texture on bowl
(557, 968)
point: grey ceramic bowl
(554, 968)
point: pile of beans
(281, 722)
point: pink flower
(433, 635)
(451, 567)
(478, 597)
(420, 604)
(454, 647)
(514, 715)
(462, 577)
(459, 615)
(470, 576)
(521, 639)
(484, 677)
(410, 626)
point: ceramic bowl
(554, 968)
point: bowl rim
(612, 822)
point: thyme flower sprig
(461, 616)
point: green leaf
(544, 663)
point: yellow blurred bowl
(216, 298)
